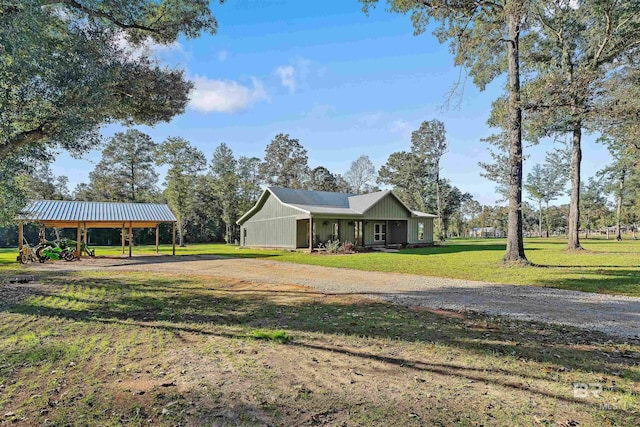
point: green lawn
(97, 348)
(606, 266)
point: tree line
(571, 67)
(208, 196)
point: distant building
(484, 232)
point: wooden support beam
(20, 236)
(310, 233)
(85, 238)
(386, 234)
(78, 240)
(173, 237)
(130, 237)
(157, 237)
(123, 235)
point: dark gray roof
(311, 198)
(327, 202)
(63, 210)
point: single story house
(288, 218)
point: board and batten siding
(412, 230)
(388, 208)
(273, 225)
(324, 229)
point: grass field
(606, 266)
(136, 348)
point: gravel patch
(615, 315)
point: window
(421, 231)
(379, 232)
(357, 232)
(334, 231)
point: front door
(397, 232)
(379, 233)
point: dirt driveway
(616, 315)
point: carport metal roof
(61, 213)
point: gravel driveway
(616, 315)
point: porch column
(310, 233)
(386, 233)
(20, 236)
(157, 236)
(79, 240)
(173, 238)
(85, 238)
(130, 237)
(123, 238)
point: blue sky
(343, 83)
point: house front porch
(362, 233)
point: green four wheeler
(48, 252)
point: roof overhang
(263, 198)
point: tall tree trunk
(515, 242)
(181, 233)
(619, 206)
(574, 204)
(540, 218)
(546, 212)
(439, 206)
(133, 182)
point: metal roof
(63, 210)
(311, 198)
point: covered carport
(87, 215)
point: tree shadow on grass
(618, 282)
(182, 306)
(163, 259)
(450, 248)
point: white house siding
(274, 225)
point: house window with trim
(357, 232)
(421, 230)
(334, 231)
(379, 232)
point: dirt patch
(16, 293)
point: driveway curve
(615, 315)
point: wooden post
(157, 236)
(130, 237)
(310, 233)
(20, 236)
(84, 238)
(386, 234)
(123, 238)
(79, 241)
(173, 238)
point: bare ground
(614, 315)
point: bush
(332, 246)
(348, 248)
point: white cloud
(399, 126)
(369, 119)
(222, 55)
(295, 75)
(225, 96)
(287, 76)
(146, 48)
